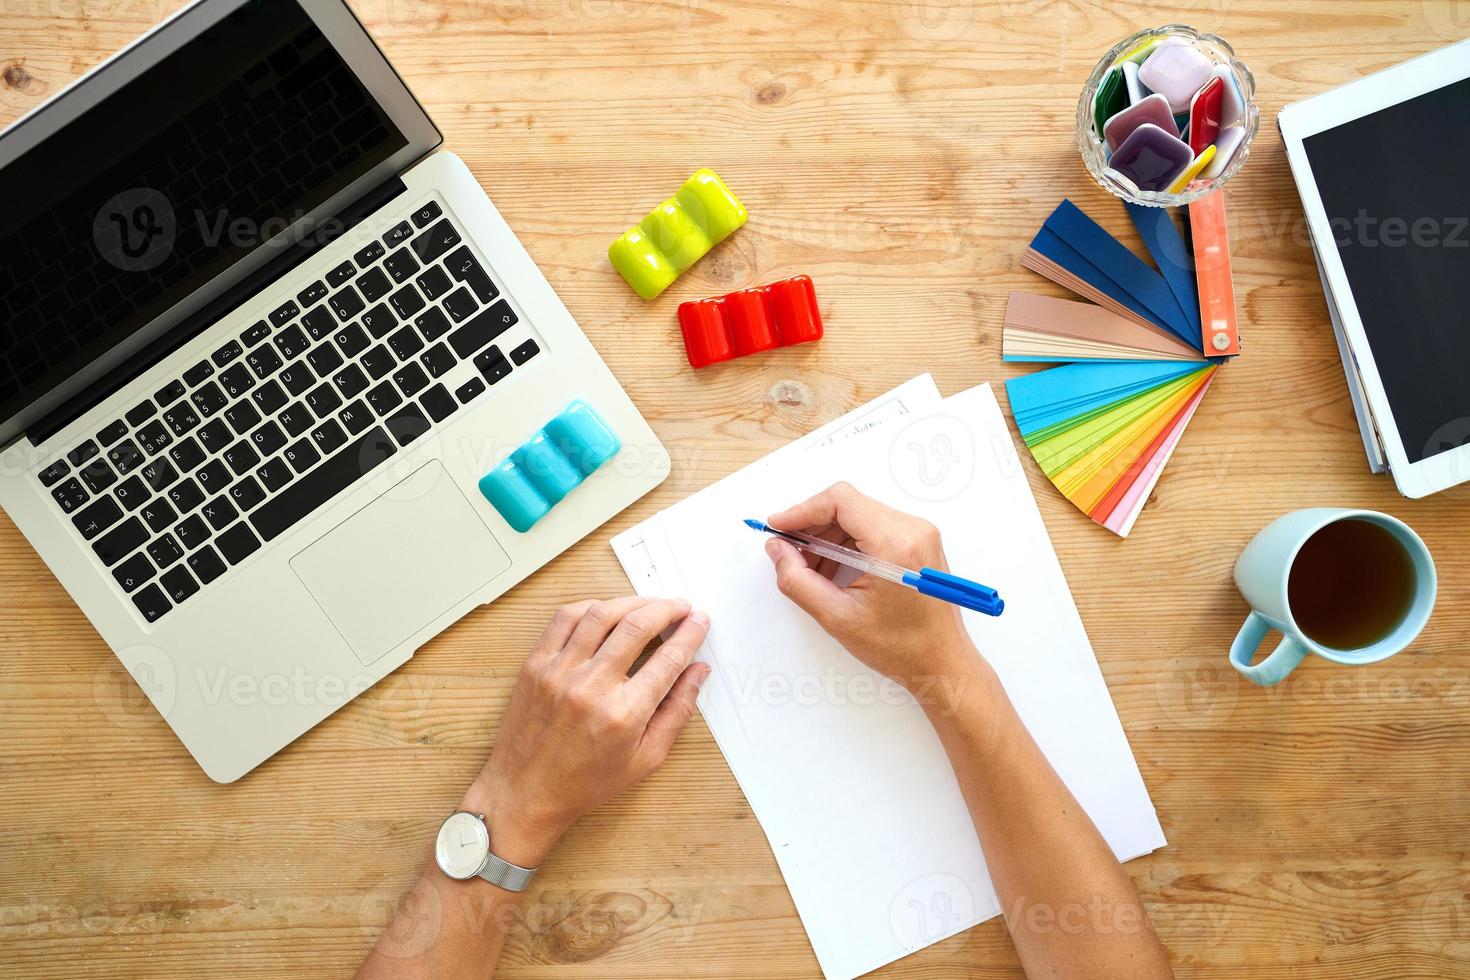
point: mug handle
(1273, 670)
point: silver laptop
(261, 343)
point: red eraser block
(750, 320)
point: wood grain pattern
(901, 152)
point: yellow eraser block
(676, 234)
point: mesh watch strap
(503, 874)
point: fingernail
(699, 617)
(701, 674)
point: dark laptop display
(168, 181)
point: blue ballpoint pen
(928, 581)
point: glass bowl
(1095, 150)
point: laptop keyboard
(345, 372)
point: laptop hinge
(221, 307)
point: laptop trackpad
(401, 562)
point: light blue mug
(1263, 573)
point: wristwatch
(462, 851)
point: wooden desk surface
(902, 153)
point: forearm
(1071, 908)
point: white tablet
(1383, 167)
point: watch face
(462, 845)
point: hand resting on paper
(1071, 909)
(894, 630)
(579, 730)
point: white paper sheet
(840, 766)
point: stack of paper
(1103, 427)
(841, 767)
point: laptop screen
(170, 179)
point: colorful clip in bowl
(550, 465)
(750, 320)
(676, 234)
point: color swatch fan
(1102, 427)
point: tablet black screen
(1396, 188)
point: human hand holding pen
(892, 629)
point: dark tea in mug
(1351, 585)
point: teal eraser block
(550, 465)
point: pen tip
(755, 525)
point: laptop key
(140, 413)
(198, 373)
(209, 399)
(186, 496)
(369, 255)
(264, 361)
(169, 393)
(356, 416)
(187, 454)
(237, 544)
(374, 285)
(120, 542)
(433, 324)
(406, 302)
(397, 235)
(97, 475)
(132, 573)
(438, 359)
(98, 517)
(434, 282)
(318, 324)
(435, 242)
(181, 418)
(267, 439)
(255, 333)
(215, 436)
(297, 378)
(407, 424)
(51, 474)
(341, 274)
(346, 304)
(484, 328)
(70, 495)
(275, 474)
(206, 564)
(324, 359)
(324, 399)
(469, 390)
(82, 453)
(152, 603)
(285, 313)
(460, 305)
(524, 353)
(384, 398)
(131, 493)
(212, 476)
(125, 457)
(411, 378)
(312, 294)
(242, 417)
(178, 584)
(158, 474)
(351, 340)
(295, 419)
(379, 320)
(192, 531)
(341, 470)
(241, 457)
(236, 380)
(405, 343)
(438, 402)
(219, 512)
(112, 433)
(400, 265)
(425, 214)
(301, 455)
(465, 269)
(165, 551)
(492, 365)
(350, 381)
(157, 514)
(247, 493)
(379, 362)
(269, 398)
(154, 438)
(227, 353)
(328, 436)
